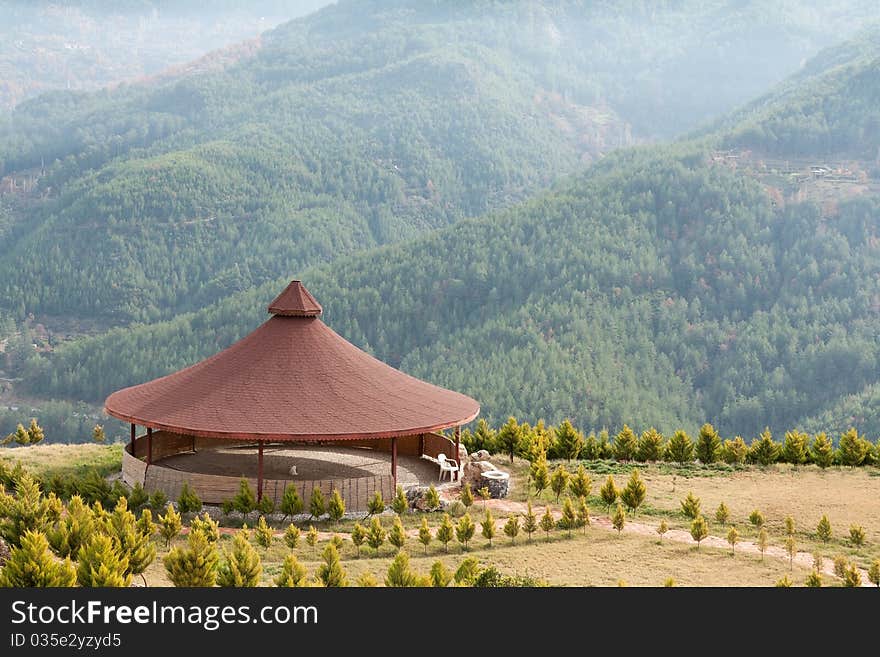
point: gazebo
(291, 382)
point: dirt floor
(312, 463)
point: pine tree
(98, 434)
(559, 481)
(722, 514)
(579, 485)
(699, 529)
(188, 502)
(467, 495)
(146, 526)
(852, 448)
(568, 521)
(822, 450)
(764, 451)
(484, 437)
(583, 513)
(336, 506)
(609, 492)
(547, 522)
(508, 437)
(874, 573)
(465, 529)
(840, 566)
(789, 526)
(790, 550)
(814, 580)
(445, 531)
(21, 436)
(618, 520)
(425, 534)
(331, 573)
(35, 433)
(399, 572)
(227, 507)
(293, 573)
(169, 525)
(467, 572)
(376, 534)
(625, 444)
(487, 526)
(291, 536)
(367, 580)
(633, 494)
(569, 440)
(690, 505)
(680, 447)
(312, 537)
(440, 575)
(662, 528)
(733, 539)
(857, 535)
(397, 535)
(757, 519)
(317, 505)
(530, 521)
(72, 530)
(784, 583)
(823, 529)
(244, 501)
(708, 444)
(511, 528)
(540, 474)
(266, 505)
(762, 542)
(208, 526)
(432, 498)
(137, 497)
(135, 548)
(242, 566)
(400, 504)
(99, 564)
(734, 452)
(484, 494)
(650, 447)
(794, 447)
(376, 504)
(852, 578)
(31, 564)
(264, 533)
(291, 502)
(25, 511)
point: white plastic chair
(447, 465)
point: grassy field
(65, 460)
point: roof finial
(295, 301)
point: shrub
(266, 505)
(708, 444)
(609, 492)
(784, 583)
(662, 528)
(376, 534)
(291, 536)
(764, 450)
(568, 521)
(31, 564)
(487, 526)
(312, 537)
(722, 514)
(209, 527)
(467, 572)
(291, 502)
(264, 533)
(547, 522)
(137, 497)
(317, 505)
(467, 495)
(440, 575)
(852, 578)
(633, 494)
(559, 481)
(432, 499)
(757, 519)
(358, 536)
(795, 447)
(242, 567)
(336, 507)
(99, 564)
(445, 531)
(244, 501)
(530, 521)
(569, 441)
(625, 444)
(579, 485)
(367, 580)
(814, 580)
(189, 501)
(822, 450)
(618, 520)
(680, 447)
(699, 530)
(293, 573)
(540, 474)
(399, 572)
(650, 446)
(762, 542)
(857, 535)
(511, 528)
(465, 529)
(400, 504)
(397, 535)
(425, 534)
(874, 573)
(331, 573)
(853, 448)
(690, 505)
(376, 504)
(734, 452)
(823, 529)
(169, 525)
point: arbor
(293, 573)
(762, 542)
(733, 539)
(559, 481)
(508, 437)
(822, 450)
(722, 513)
(568, 521)
(618, 520)
(757, 519)
(633, 494)
(31, 564)
(852, 448)
(569, 441)
(795, 447)
(487, 526)
(662, 528)
(425, 534)
(264, 533)
(194, 565)
(708, 444)
(189, 501)
(540, 474)
(699, 529)
(690, 505)
(244, 501)
(511, 528)
(397, 535)
(625, 444)
(432, 499)
(530, 521)
(376, 504)
(331, 573)
(650, 447)
(400, 504)
(242, 566)
(99, 563)
(680, 447)
(317, 504)
(291, 502)
(609, 492)
(579, 484)
(169, 524)
(445, 531)
(764, 450)
(441, 577)
(547, 522)
(375, 534)
(467, 495)
(336, 506)
(857, 535)
(464, 531)
(399, 572)
(291, 536)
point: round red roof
(293, 378)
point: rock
(4, 552)
(480, 455)
(462, 453)
(473, 473)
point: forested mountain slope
(362, 124)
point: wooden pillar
(260, 471)
(149, 446)
(131, 442)
(457, 457)
(394, 460)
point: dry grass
(65, 460)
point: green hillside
(363, 124)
